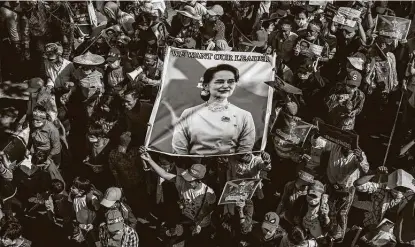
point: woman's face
(222, 84)
(301, 20)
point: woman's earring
(205, 94)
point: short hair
(40, 157)
(133, 91)
(300, 10)
(285, 21)
(12, 230)
(316, 23)
(82, 184)
(57, 186)
(96, 130)
(143, 17)
(40, 108)
(209, 73)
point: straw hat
(190, 12)
(89, 59)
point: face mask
(38, 124)
(92, 139)
(312, 201)
(301, 23)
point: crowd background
(81, 78)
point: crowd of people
(93, 71)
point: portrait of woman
(216, 126)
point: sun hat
(197, 171)
(190, 12)
(89, 59)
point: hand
(178, 40)
(97, 169)
(26, 55)
(403, 41)
(86, 160)
(265, 157)
(144, 155)
(196, 230)
(358, 20)
(382, 170)
(359, 154)
(374, 35)
(65, 98)
(240, 204)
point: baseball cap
(401, 178)
(353, 78)
(317, 188)
(271, 221)
(197, 171)
(306, 177)
(35, 84)
(113, 55)
(112, 195)
(215, 10)
(114, 219)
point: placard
(336, 135)
(393, 27)
(238, 190)
(306, 46)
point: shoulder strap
(203, 202)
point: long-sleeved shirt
(129, 238)
(10, 20)
(344, 169)
(46, 138)
(58, 75)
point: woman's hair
(82, 184)
(209, 73)
(296, 235)
(143, 17)
(12, 230)
(57, 186)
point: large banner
(393, 27)
(342, 15)
(211, 103)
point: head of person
(301, 18)
(39, 117)
(194, 175)
(96, 134)
(147, 7)
(130, 99)
(297, 236)
(150, 60)
(166, 162)
(399, 183)
(381, 7)
(57, 186)
(214, 13)
(313, 30)
(270, 225)
(125, 140)
(143, 21)
(314, 193)
(304, 180)
(187, 15)
(305, 70)
(34, 85)
(10, 233)
(80, 186)
(115, 223)
(114, 59)
(40, 158)
(8, 117)
(349, 32)
(353, 81)
(111, 10)
(111, 197)
(286, 27)
(219, 82)
(53, 52)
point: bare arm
(160, 171)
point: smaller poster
(341, 137)
(393, 27)
(238, 190)
(342, 15)
(291, 129)
(307, 47)
(319, 3)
